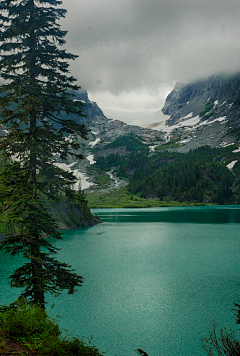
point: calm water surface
(154, 278)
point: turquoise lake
(155, 278)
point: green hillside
(200, 175)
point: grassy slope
(123, 199)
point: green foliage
(121, 198)
(171, 144)
(22, 321)
(209, 106)
(102, 180)
(105, 163)
(235, 132)
(123, 164)
(207, 116)
(197, 176)
(3, 347)
(134, 160)
(32, 327)
(38, 109)
(131, 142)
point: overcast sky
(132, 52)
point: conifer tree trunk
(37, 82)
(38, 294)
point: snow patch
(189, 122)
(167, 138)
(93, 143)
(152, 148)
(187, 116)
(225, 144)
(64, 166)
(186, 140)
(237, 150)
(16, 157)
(95, 132)
(231, 165)
(70, 138)
(223, 118)
(82, 101)
(220, 119)
(216, 102)
(91, 159)
(79, 175)
(83, 180)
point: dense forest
(199, 176)
(131, 143)
(193, 176)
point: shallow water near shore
(155, 278)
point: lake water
(155, 278)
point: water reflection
(204, 215)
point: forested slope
(200, 176)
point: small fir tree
(36, 108)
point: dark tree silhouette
(34, 96)
(141, 352)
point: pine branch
(33, 99)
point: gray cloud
(128, 44)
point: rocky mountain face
(205, 112)
(106, 130)
(71, 216)
(102, 132)
(222, 92)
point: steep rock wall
(72, 216)
(211, 97)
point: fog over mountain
(132, 49)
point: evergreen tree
(36, 93)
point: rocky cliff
(72, 216)
(204, 112)
(210, 97)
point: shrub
(224, 344)
(30, 324)
(22, 320)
